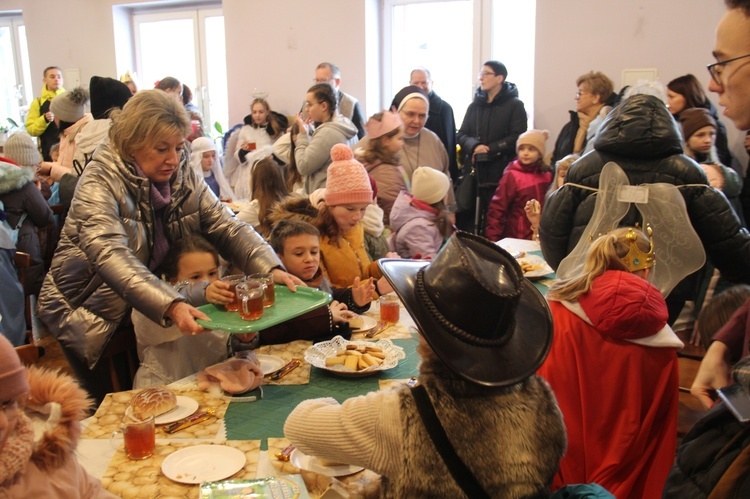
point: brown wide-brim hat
(482, 318)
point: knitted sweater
(511, 438)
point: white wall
(274, 45)
(577, 36)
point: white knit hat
(70, 106)
(22, 149)
(429, 185)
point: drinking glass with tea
(250, 294)
(269, 296)
(233, 281)
(139, 436)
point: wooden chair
(29, 353)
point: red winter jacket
(505, 215)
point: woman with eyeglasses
(685, 92)
(489, 132)
(594, 100)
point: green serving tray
(288, 306)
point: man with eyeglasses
(440, 119)
(730, 78)
(348, 106)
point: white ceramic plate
(541, 269)
(368, 324)
(317, 354)
(184, 408)
(203, 463)
(270, 363)
(314, 464)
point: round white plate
(203, 463)
(542, 267)
(270, 363)
(184, 408)
(314, 464)
(369, 323)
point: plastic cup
(389, 309)
(139, 436)
(250, 298)
(233, 280)
(269, 294)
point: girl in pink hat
(385, 140)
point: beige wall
(274, 45)
(577, 36)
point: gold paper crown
(637, 259)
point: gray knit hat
(70, 106)
(22, 149)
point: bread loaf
(152, 401)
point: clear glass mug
(139, 436)
(250, 293)
(269, 296)
(233, 281)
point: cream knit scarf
(17, 451)
(583, 127)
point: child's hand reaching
(218, 292)
(362, 291)
(533, 212)
(339, 312)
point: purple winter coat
(416, 233)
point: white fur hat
(429, 185)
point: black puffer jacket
(642, 137)
(706, 453)
(496, 124)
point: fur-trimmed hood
(293, 207)
(56, 406)
(13, 177)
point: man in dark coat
(440, 119)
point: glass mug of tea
(269, 296)
(389, 309)
(233, 281)
(139, 436)
(250, 293)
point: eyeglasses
(484, 74)
(716, 68)
(579, 94)
(321, 80)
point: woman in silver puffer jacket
(136, 196)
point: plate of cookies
(354, 358)
(534, 266)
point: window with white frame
(452, 38)
(187, 45)
(15, 75)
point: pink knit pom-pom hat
(347, 181)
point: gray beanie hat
(22, 149)
(70, 106)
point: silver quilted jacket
(100, 268)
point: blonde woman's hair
(606, 253)
(147, 118)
